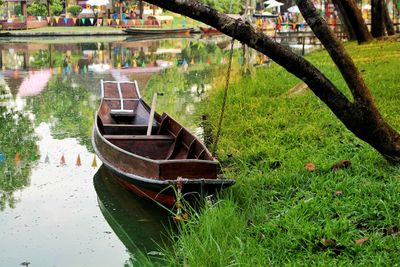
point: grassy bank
(279, 213)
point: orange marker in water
(78, 161)
(94, 163)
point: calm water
(72, 214)
(58, 207)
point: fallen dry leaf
(310, 167)
(341, 165)
(361, 240)
(392, 230)
(338, 193)
(328, 242)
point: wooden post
(151, 118)
(23, 10)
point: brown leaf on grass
(341, 165)
(331, 244)
(361, 240)
(338, 193)
(328, 242)
(392, 230)
(310, 167)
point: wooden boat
(158, 31)
(153, 158)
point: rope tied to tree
(228, 75)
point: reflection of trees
(41, 58)
(16, 135)
(69, 109)
(183, 89)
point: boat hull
(158, 31)
(138, 182)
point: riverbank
(281, 213)
(64, 31)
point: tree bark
(360, 115)
(141, 9)
(48, 8)
(377, 18)
(388, 22)
(353, 20)
(345, 22)
(120, 11)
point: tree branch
(337, 52)
(247, 34)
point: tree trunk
(345, 21)
(48, 8)
(141, 9)
(377, 19)
(120, 11)
(388, 22)
(23, 10)
(353, 19)
(360, 116)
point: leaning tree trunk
(360, 116)
(353, 19)
(388, 22)
(377, 19)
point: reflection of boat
(159, 31)
(136, 223)
(150, 165)
(158, 37)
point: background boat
(159, 31)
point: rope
(228, 75)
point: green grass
(278, 213)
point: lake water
(58, 207)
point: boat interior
(123, 119)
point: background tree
(56, 7)
(225, 6)
(37, 8)
(377, 18)
(352, 18)
(360, 114)
(387, 21)
(74, 10)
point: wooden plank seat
(140, 137)
(126, 129)
(121, 113)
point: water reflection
(18, 152)
(139, 224)
(49, 91)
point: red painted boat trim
(164, 199)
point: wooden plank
(139, 137)
(126, 129)
(121, 113)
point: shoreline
(17, 33)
